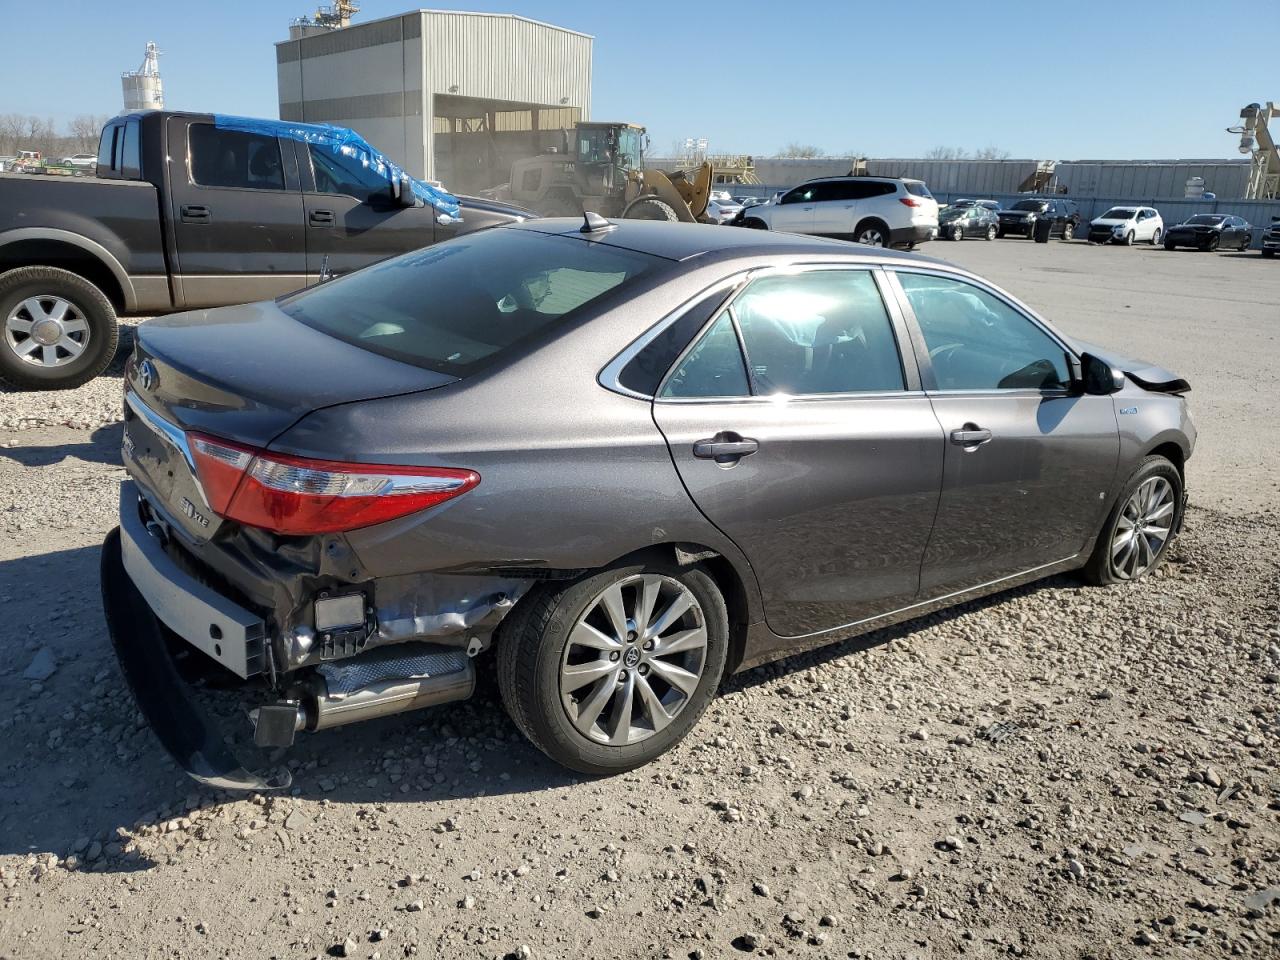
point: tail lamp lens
(300, 496)
(911, 201)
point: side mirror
(401, 193)
(1097, 377)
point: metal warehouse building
(449, 96)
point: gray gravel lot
(1054, 772)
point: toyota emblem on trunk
(147, 374)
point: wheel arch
(42, 247)
(869, 221)
(1172, 451)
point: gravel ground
(1057, 771)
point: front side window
(230, 158)
(801, 194)
(457, 306)
(341, 174)
(978, 342)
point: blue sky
(1078, 80)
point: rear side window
(823, 331)
(130, 156)
(230, 158)
(917, 188)
(818, 332)
(107, 146)
(644, 372)
(460, 305)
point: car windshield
(1036, 206)
(456, 306)
(1207, 219)
(1119, 213)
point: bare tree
(84, 130)
(991, 152)
(801, 151)
(946, 153)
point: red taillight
(911, 201)
(299, 496)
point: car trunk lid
(245, 374)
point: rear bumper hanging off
(182, 727)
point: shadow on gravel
(80, 772)
(102, 446)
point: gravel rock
(42, 665)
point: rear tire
(651, 208)
(1069, 231)
(755, 223)
(1130, 516)
(30, 296)
(992, 233)
(1268, 254)
(561, 205)
(541, 641)
(872, 233)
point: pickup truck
(195, 210)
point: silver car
(611, 463)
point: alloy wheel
(46, 330)
(633, 659)
(872, 237)
(1143, 528)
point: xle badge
(190, 510)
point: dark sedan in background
(1210, 231)
(610, 463)
(957, 222)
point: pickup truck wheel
(59, 329)
(609, 672)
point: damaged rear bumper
(408, 654)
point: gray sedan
(611, 464)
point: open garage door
(475, 141)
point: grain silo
(142, 87)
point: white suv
(1127, 225)
(880, 211)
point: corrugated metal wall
(383, 75)
(1226, 178)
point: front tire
(651, 208)
(1140, 526)
(1168, 245)
(1069, 231)
(611, 671)
(1155, 238)
(957, 233)
(1128, 239)
(57, 330)
(1212, 245)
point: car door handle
(725, 447)
(321, 218)
(970, 435)
(195, 213)
(807, 208)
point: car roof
(685, 241)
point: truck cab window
(338, 173)
(229, 158)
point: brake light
(299, 496)
(911, 201)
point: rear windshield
(918, 188)
(455, 306)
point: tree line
(28, 132)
